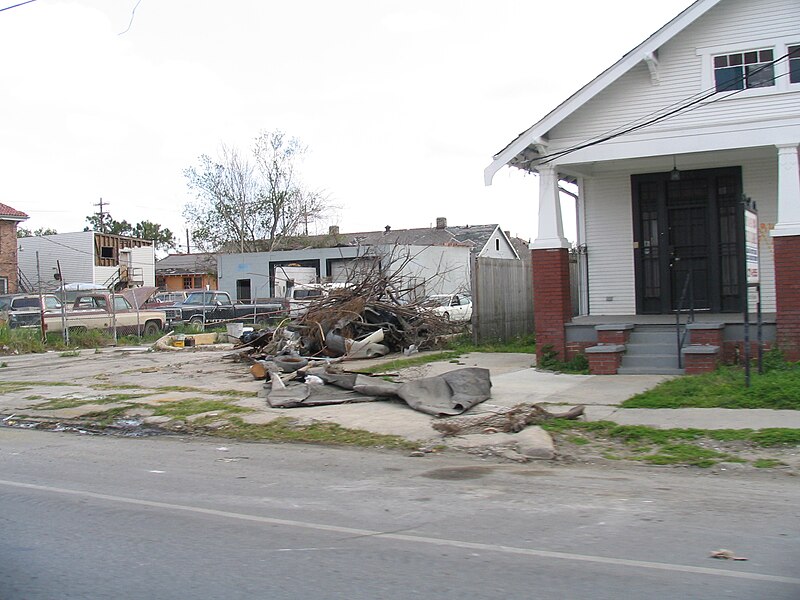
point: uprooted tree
(248, 203)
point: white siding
(759, 178)
(609, 241)
(144, 258)
(74, 251)
(609, 228)
(733, 23)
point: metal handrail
(688, 286)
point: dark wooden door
(687, 241)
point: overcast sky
(402, 104)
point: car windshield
(198, 298)
(18, 303)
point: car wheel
(151, 328)
(196, 320)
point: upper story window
(747, 69)
(794, 64)
(744, 70)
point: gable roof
(11, 214)
(533, 136)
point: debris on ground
(503, 420)
(359, 320)
(451, 393)
(723, 554)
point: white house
(663, 146)
(87, 257)
(434, 260)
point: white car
(453, 307)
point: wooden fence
(502, 299)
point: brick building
(9, 219)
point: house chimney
(333, 230)
(441, 222)
(388, 228)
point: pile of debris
(360, 320)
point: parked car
(25, 310)
(214, 306)
(453, 307)
(101, 310)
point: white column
(551, 227)
(788, 191)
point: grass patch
(286, 430)
(182, 409)
(463, 344)
(104, 418)
(59, 403)
(70, 353)
(670, 446)
(777, 388)
(767, 463)
(684, 454)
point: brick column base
(605, 359)
(552, 305)
(700, 359)
(787, 294)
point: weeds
(286, 430)
(578, 364)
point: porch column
(786, 243)
(550, 260)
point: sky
(401, 104)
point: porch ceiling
(665, 162)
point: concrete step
(645, 349)
(649, 371)
(651, 360)
(652, 337)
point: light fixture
(674, 175)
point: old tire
(196, 320)
(151, 328)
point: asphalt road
(103, 517)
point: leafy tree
(250, 203)
(23, 232)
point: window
(187, 283)
(198, 281)
(121, 304)
(3, 285)
(744, 70)
(106, 252)
(794, 64)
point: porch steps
(651, 350)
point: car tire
(196, 320)
(151, 328)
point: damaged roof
(187, 264)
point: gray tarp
(448, 394)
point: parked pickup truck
(101, 310)
(214, 307)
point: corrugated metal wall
(502, 299)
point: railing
(23, 283)
(688, 287)
(123, 277)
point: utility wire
(681, 106)
(16, 5)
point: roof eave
(538, 131)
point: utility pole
(188, 251)
(102, 216)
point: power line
(16, 5)
(682, 106)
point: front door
(688, 244)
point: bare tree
(251, 203)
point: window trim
(779, 47)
